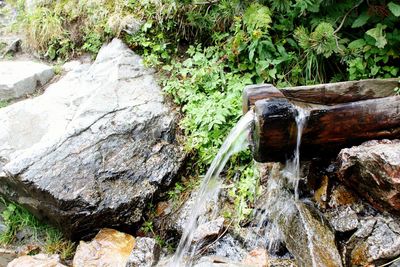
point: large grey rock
(373, 170)
(94, 148)
(376, 242)
(18, 78)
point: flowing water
(292, 169)
(236, 141)
(281, 192)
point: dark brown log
(328, 128)
(326, 94)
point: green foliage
(394, 8)
(17, 218)
(3, 103)
(55, 243)
(211, 99)
(397, 90)
(59, 29)
(244, 192)
(175, 193)
(147, 227)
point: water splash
(236, 141)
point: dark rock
(94, 149)
(373, 170)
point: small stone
(208, 230)
(18, 78)
(108, 248)
(12, 47)
(145, 254)
(163, 208)
(343, 219)
(257, 258)
(39, 260)
(71, 65)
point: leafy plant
(3, 103)
(16, 218)
(244, 192)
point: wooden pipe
(327, 130)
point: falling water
(280, 201)
(292, 170)
(236, 141)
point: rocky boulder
(373, 170)
(94, 149)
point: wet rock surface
(145, 254)
(373, 170)
(108, 248)
(228, 247)
(310, 239)
(103, 145)
(208, 231)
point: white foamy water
(236, 141)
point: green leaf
(357, 44)
(378, 34)
(394, 8)
(361, 20)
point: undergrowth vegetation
(16, 220)
(207, 51)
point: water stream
(236, 141)
(281, 191)
(292, 169)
